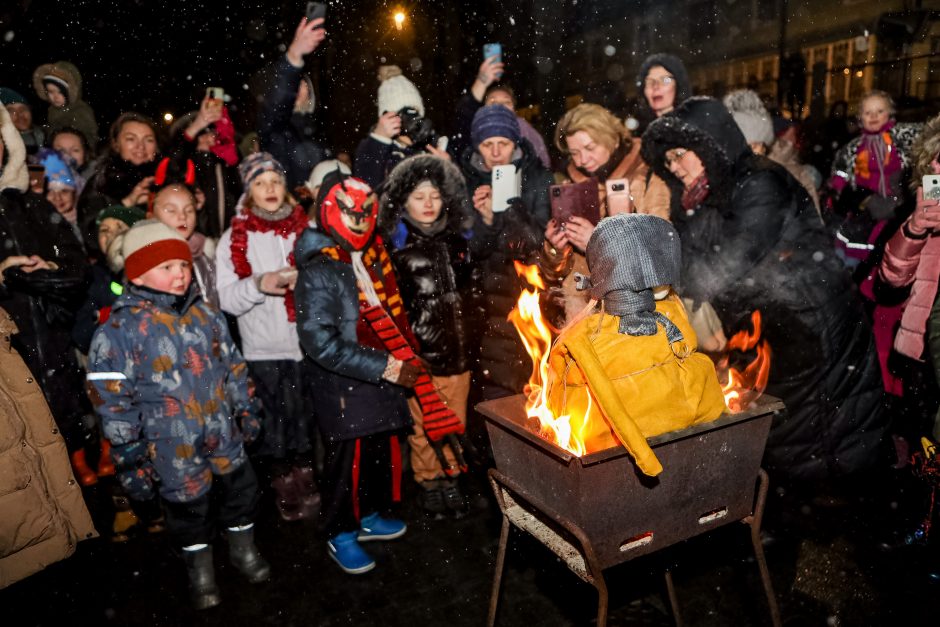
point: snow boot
(454, 498)
(244, 554)
(344, 549)
(105, 464)
(374, 527)
(431, 497)
(85, 475)
(307, 490)
(287, 497)
(203, 593)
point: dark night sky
(138, 54)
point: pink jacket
(914, 261)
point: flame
(567, 431)
(744, 387)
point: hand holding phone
(507, 184)
(493, 56)
(926, 216)
(575, 200)
(619, 199)
(316, 11)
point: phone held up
(506, 185)
(493, 50)
(315, 10)
(618, 197)
(575, 199)
(931, 184)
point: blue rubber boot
(345, 550)
(374, 527)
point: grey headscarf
(628, 255)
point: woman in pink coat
(912, 258)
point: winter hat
(148, 244)
(494, 121)
(58, 174)
(674, 66)
(751, 116)
(629, 255)
(13, 175)
(127, 215)
(396, 92)
(322, 169)
(256, 164)
(9, 96)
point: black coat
(219, 182)
(42, 303)
(435, 271)
(376, 159)
(515, 235)
(112, 181)
(290, 137)
(352, 400)
(756, 243)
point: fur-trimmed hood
(13, 172)
(925, 149)
(704, 126)
(65, 72)
(402, 180)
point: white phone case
(507, 184)
(931, 184)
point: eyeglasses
(665, 81)
(677, 154)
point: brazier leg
(673, 598)
(498, 575)
(754, 521)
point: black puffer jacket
(352, 399)
(435, 274)
(755, 243)
(114, 179)
(515, 235)
(43, 303)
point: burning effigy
(631, 370)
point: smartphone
(215, 93)
(493, 50)
(575, 199)
(931, 184)
(619, 199)
(506, 184)
(315, 10)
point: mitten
(249, 421)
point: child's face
(56, 97)
(71, 146)
(176, 208)
(268, 191)
(172, 277)
(107, 231)
(424, 204)
(875, 113)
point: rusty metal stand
(525, 512)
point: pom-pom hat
(148, 244)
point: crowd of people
(208, 315)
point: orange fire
(744, 387)
(566, 431)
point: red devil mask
(348, 213)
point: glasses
(665, 81)
(675, 156)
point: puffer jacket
(42, 513)
(914, 262)
(755, 243)
(353, 400)
(515, 235)
(163, 372)
(434, 270)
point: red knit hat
(148, 244)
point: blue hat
(58, 174)
(9, 96)
(494, 121)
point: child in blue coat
(171, 389)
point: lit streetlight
(399, 18)
(167, 117)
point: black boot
(245, 556)
(202, 589)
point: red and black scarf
(248, 222)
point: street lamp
(167, 117)
(399, 18)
